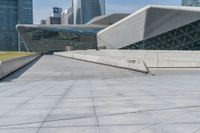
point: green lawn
(12, 55)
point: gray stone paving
(60, 95)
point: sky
(42, 9)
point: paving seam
(57, 103)
(83, 117)
(26, 101)
(15, 93)
(94, 107)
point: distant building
(56, 16)
(13, 12)
(53, 20)
(191, 3)
(70, 16)
(57, 12)
(43, 22)
(85, 10)
(64, 17)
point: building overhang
(50, 38)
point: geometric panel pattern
(183, 38)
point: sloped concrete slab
(60, 95)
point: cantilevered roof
(108, 19)
(50, 38)
(145, 23)
(64, 28)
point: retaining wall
(152, 58)
(9, 66)
(133, 59)
(98, 57)
(158, 58)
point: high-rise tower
(13, 12)
(85, 10)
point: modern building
(70, 16)
(53, 20)
(57, 12)
(191, 3)
(108, 19)
(64, 17)
(47, 38)
(51, 38)
(42, 22)
(155, 28)
(85, 10)
(150, 28)
(13, 12)
(56, 16)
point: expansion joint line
(196, 131)
(56, 104)
(24, 103)
(94, 107)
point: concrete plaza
(61, 95)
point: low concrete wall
(152, 58)
(97, 57)
(161, 59)
(9, 66)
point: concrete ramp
(96, 57)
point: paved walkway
(60, 95)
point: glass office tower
(191, 3)
(13, 12)
(85, 10)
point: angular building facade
(155, 28)
(191, 3)
(150, 28)
(85, 10)
(13, 12)
(51, 38)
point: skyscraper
(85, 10)
(55, 18)
(70, 16)
(191, 3)
(57, 11)
(13, 12)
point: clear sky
(42, 8)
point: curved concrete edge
(10, 66)
(136, 65)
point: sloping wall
(7, 67)
(146, 23)
(126, 31)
